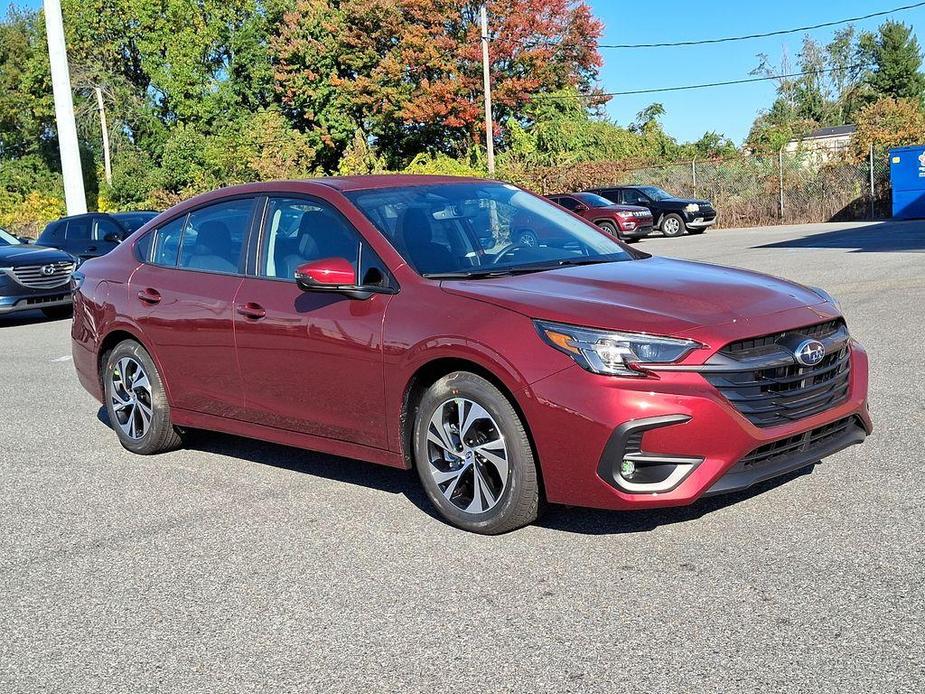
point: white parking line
(62, 359)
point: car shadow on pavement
(13, 320)
(881, 237)
(405, 482)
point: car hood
(622, 208)
(31, 255)
(656, 295)
(683, 201)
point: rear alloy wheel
(473, 456)
(611, 229)
(136, 401)
(673, 225)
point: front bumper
(580, 422)
(700, 222)
(637, 232)
(34, 301)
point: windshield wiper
(584, 261)
(475, 274)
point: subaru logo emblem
(809, 352)
(48, 270)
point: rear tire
(473, 456)
(136, 401)
(673, 225)
(58, 312)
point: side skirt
(284, 437)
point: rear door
(78, 237)
(184, 297)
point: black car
(91, 235)
(672, 215)
(34, 277)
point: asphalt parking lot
(239, 566)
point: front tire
(673, 225)
(136, 401)
(611, 229)
(473, 456)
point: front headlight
(828, 297)
(613, 353)
(692, 207)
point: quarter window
(167, 243)
(214, 236)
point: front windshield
(655, 193)
(593, 200)
(482, 229)
(7, 239)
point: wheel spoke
(438, 434)
(495, 459)
(475, 506)
(141, 382)
(475, 413)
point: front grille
(773, 393)
(801, 443)
(46, 276)
(755, 344)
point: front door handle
(149, 296)
(252, 310)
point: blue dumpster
(907, 177)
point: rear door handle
(252, 310)
(149, 296)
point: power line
(764, 35)
(700, 86)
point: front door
(311, 362)
(185, 293)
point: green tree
(897, 62)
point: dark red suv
(368, 317)
(626, 222)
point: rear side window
(167, 243)
(79, 229)
(214, 236)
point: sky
(728, 110)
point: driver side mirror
(24, 240)
(112, 237)
(581, 207)
(336, 275)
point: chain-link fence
(786, 188)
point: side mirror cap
(581, 208)
(25, 239)
(326, 274)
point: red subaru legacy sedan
(365, 317)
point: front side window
(297, 231)
(105, 227)
(482, 229)
(568, 203)
(214, 236)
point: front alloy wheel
(473, 456)
(467, 455)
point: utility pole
(74, 194)
(107, 160)
(486, 79)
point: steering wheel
(507, 250)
